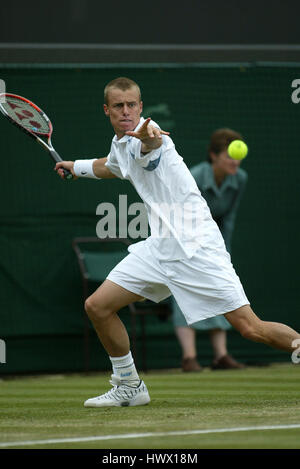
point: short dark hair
(121, 83)
(220, 139)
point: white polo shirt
(179, 218)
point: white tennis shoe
(121, 395)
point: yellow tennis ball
(237, 150)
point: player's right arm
(99, 169)
(102, 171)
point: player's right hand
(66, 165)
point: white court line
(145, 435)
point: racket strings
(27, 116)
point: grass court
(258, 407)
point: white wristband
(84, 168)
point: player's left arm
(150, 136)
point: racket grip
(55, 156)
(67, 174)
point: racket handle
(55, 156)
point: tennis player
(187, 259)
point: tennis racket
(28, 117)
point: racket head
(26, 115)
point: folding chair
(96, 258)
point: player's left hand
(150, 136)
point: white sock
(124, 368)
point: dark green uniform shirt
(223, 201)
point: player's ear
(141, 107)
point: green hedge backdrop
(41, 314)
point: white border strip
(145, 435)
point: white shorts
(204, 286)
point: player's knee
(89, 307)
(95, 310)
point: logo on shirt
(152, 164)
